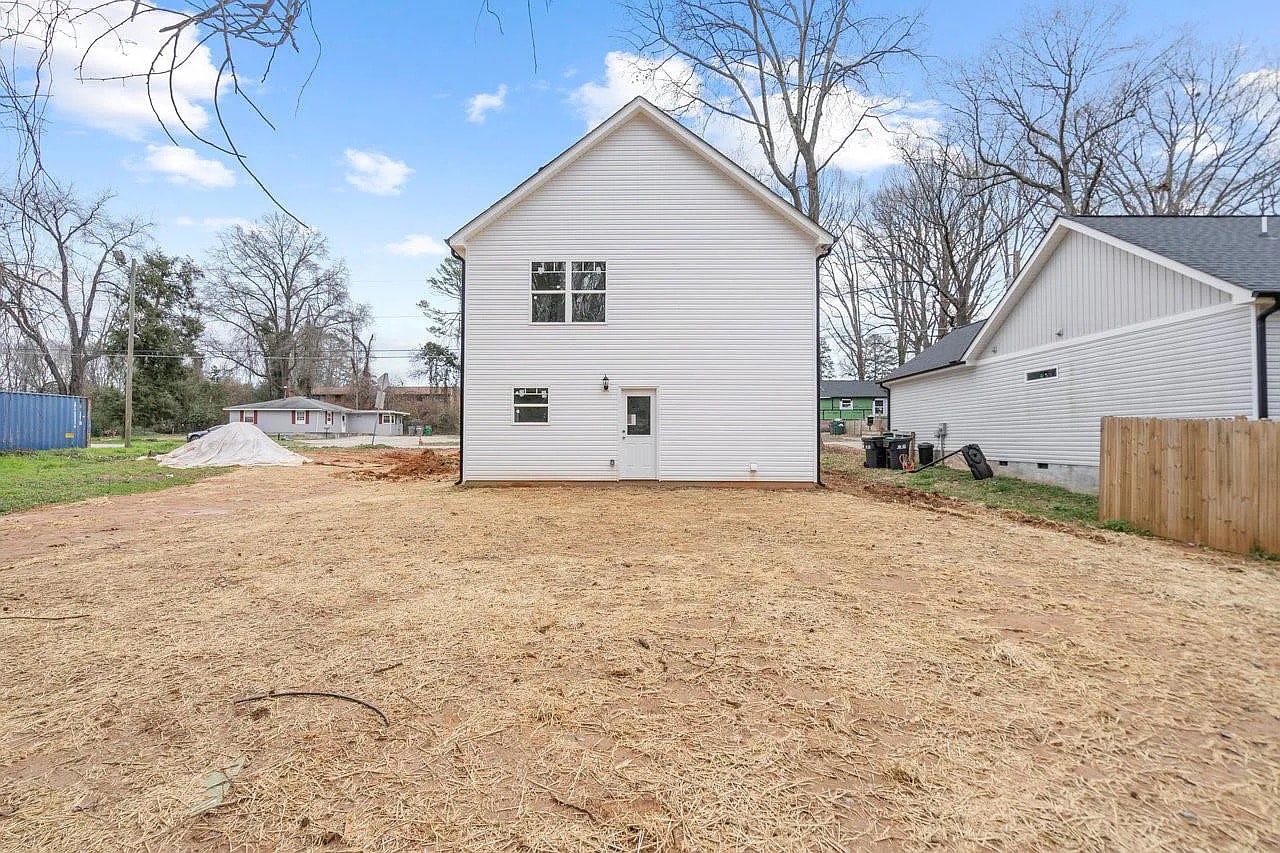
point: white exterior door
(639, 448)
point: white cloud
(414, 245)
(871, 147)
(371, 172)
(483, 103)
(627, 76)
(185, 167)
(79, 84)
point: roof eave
(947, 366)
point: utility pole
(128, 361)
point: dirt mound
(427, 465)
(231, 444)
(899, 494)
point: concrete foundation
(1077, 478)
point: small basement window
(846, 403)
(878, 407)
(1047, 373)
(532, 405)
(1043, 466)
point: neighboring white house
(640, 308)
(1131, 315)
(304, 416)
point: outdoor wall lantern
(604, 384)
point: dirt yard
(621, 668)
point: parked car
(201, 433)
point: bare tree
(802, 77)
(60, 274)
(1046, 105)
(1207, 140)
(973, 224)
(275, 291)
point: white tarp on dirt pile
(233, 444)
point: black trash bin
(925, 451)
(874, 447)
(897, 448)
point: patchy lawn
(1051, 502)
(57, 476)
(622, 668)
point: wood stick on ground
(314, 693)
(47, 618)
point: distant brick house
(411, 398)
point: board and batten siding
(710, 302)
(1193, 366)
(1273, 366)
(1088, 286)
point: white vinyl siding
(1088, 286)
(1192, 367)
(710, 301)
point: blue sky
(395, 87)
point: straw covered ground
(621, 668)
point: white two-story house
(641, 308)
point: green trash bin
(837, 427)
(426, 430)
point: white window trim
(1026, 375)
(846, 403)
(328, 418)
(387, 418)
(296, 420)
(879, 406)
(546, 405)
(568, 293)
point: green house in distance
(863, 406)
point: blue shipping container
(42, 421)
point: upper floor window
(575, 297)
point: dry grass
(623, 668)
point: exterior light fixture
(604, 383)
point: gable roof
(850, 388)
(299, 404)
(1230, 248)
(1163, 231)
(948, 351)
(680, 133)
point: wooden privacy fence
(1211, 482)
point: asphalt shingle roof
(292, 404)
(947, 351)
(1231, 248)
(850, 388)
